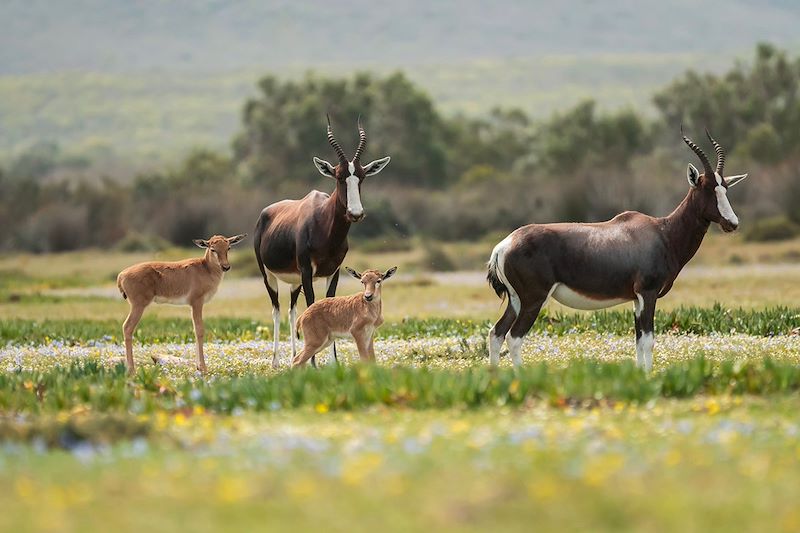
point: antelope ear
(693, 175)
(325, 168)
(201, 243)
(389, 273)
(370, 169)
(237, 239)
(353, 273)
(730, 181)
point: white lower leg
(515, 349)
(293, 330)
(495, 343)
(639, 353)
(276, 333)
(648, 341)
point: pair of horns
(706, 164)
(362, 143)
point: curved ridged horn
(720, 153)
(696, 149)
(332, 140)
(362, 142)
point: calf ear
(730, 181)
(325, 168)
(201, 243)
(237, 239)
(370, 169)
(693, 175)
(389, 273)
(353, 273)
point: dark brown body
(298, 241)
(632, 257)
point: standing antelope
(298, 241)
(632, 257)
(189, 282)
(357, 315)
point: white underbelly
(566, 296)
(289, 278)
(293, 278)
(173, 300)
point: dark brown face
(711, 193)
(349, 176)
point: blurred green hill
(148, 80)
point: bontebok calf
(189, 282)
(357, 315)
(632, 257)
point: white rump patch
(566, 296)
(353, 196)
(500, 253)
(723, 205)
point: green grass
(700, 321)
(91, 386)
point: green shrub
(778, 228)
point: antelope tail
(492, 276)
(119, 286)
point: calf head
(217, 248)
(371, 279)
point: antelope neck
(684, 230)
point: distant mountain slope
(125, 35)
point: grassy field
(578, 439)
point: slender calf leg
(311, 347)
(271, 282)
(498, 333)
(306, 275)
(371, 348)
(128, 327)
(362, 339)
(645, 339)
(333, 282)
(199, 333)
(527, 316)
(295, 294)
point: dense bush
(451, 178)
(776, 228)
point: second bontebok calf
(356, 315)
(189, 282)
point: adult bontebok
(189, 282)
(357, 315)
(298, 241)
(632, 257)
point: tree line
(451, 177)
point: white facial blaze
(353, 196)
(723, 205)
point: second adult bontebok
(630, 258)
